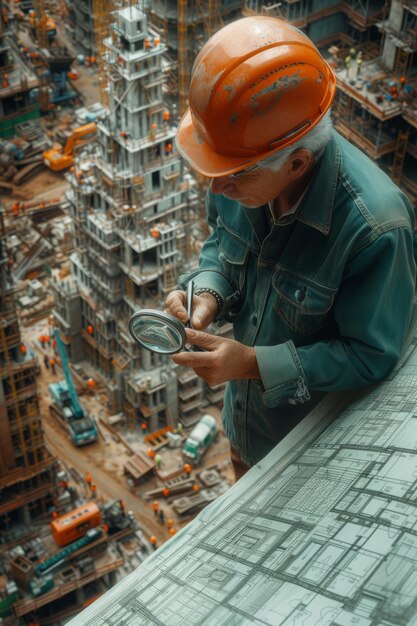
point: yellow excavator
(58, 158)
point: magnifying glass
(159, 331)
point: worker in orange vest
(187, 469)
(172, 531)
(155, 506)
(153, 540)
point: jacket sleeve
(372, 311)
(210, 272)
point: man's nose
(219, 185)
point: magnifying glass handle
(193, 349)
(189, 302)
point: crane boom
(76, 406)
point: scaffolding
(26, 467)
(102, 11)
(183, 64)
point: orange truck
(75, 524)
(58, 158)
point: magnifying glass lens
(157, 331)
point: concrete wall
(333, 24)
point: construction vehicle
(43, 581)
(58, 158)
(202, 435)
(92, 534)
(81, 427)
(73, 525)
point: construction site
(99, 217)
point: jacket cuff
(282, 375)
(213, 280)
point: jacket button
(299, 295)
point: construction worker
(155, 506)
(171, 532)
(158, 461)
(52, 364)
(310, 253)
(170, 522)
(46, 361)
(153, 541)
(187, 468)
(161, 516)
(348, 63)
(165, 492)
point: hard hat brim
(200, 156)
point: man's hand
(204, 308)
(223, 359)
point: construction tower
(133, 212)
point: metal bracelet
(215, 294)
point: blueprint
(322, 532)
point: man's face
(253, 188)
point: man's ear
(299, 163)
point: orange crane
(58, 158)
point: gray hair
(314, 142)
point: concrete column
(146, 360)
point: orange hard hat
(257, 86)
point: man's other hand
(222, 360)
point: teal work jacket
(324, 295)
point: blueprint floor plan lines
(323, 532)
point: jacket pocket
(233, 255)
(300, 302)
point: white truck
(202, 435)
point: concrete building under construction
(27, 475)
(19, 86)
(133, 213)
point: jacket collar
(317, 206)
